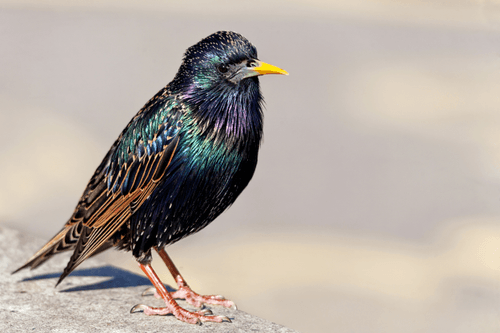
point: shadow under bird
(180, 162)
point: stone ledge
(96, 297)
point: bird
(180, 162)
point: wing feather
(128, 175)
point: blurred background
(375, 206)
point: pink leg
(185, 292)
(171, 305)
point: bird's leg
(185, 292)
(171, 305)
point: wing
(127, 176)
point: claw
(138, 308)
(151, 291)
(205, 312)
(226, 319)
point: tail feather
(92, 241)
(80, 245)
(63, 241)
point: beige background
(376, 203)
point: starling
(178, 164)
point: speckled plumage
(180, 162)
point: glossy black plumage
(179, 163)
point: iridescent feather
(180, 162)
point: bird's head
(218, 81)
(222, 62)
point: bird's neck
(230, 115)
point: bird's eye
(223, 68)
(252, 63)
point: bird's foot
(182, 314)
(171, 306)
(184, 292)
(197, 300)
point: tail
(65, 240)
(71, 237)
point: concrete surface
(95, 298)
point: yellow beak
(263, 69)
